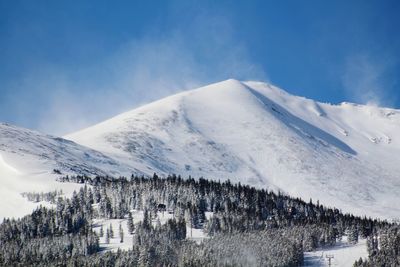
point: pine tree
(121, 234)
(131, 226)
(101, 231)
(146, 220)
(352, 235)
(107, 236)
(111, 231)
(143, 260)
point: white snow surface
(14, 182)
(346, 155)
(27, 160)
(344, 254)
(115, 243)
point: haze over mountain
(344, 155)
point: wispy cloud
(364, 80)
(139, 71)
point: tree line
(248, 226)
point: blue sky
(65, 65)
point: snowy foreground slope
(346, 155)
(344, 254)
(27, 161)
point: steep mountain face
(345, 155)
(27, 161)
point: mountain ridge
(27, 162)
(258, 134)
(249, 132)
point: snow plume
(139, 71)
(364, 80)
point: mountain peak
(246, 131)
(258, 134)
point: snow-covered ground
(14, 182)
(344, 254)
(27, 161)
(115, 243)
(15, 204)
(344, 155)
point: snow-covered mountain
(33, 152)
(27, 161)
(345, 155)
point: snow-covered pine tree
(107, 239)
(121, 234)
(111, 231)
(131, 226)
(101, 231)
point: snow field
(344, 254)
(196, 235)
(14, 182)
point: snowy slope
(27, 160)
(344, 155)
(12, 204)
(197, 235)
(34, 152)
(344, 254)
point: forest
(248, 226)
